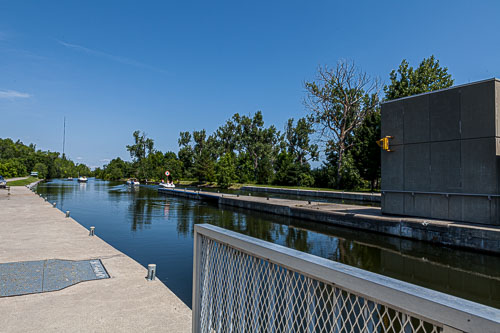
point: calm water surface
(155, 228)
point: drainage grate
(28, 277)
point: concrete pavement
(30, 229)
(13, 179)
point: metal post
(54, 204)
(67, 213)
(92, 231)
(196, 305)
(151, 272)
(267, 198)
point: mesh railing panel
(243, 293)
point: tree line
(18, 159)
(342, 123)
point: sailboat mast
(64, 137)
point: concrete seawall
(32, 230)
(356, 196)
(470, 236)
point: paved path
(30, 229)
(13, 179)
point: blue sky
(111, 67)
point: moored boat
(166, 185)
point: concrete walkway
(30, 229)
(13, 179)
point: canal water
(156, 228)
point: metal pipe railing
(447, 194)
(245, 284)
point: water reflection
(153, 228)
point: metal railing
(243, 284)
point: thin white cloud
(11, 94)
(108, 56)
(105, 160)
(79, 158)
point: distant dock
(36, 237)
(459, 234)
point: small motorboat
(82, 179)
(69, 178)
(133, 181)
(166, 185)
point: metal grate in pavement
(28, 277)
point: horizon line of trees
(342, 123)
(18, 160)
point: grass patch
(22, 182)
(237, 186)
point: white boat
(133, 181)
(69, 178)
(82, 179)
(166, 185)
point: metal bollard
(249, 194)
(309, 202)
(45, 199)
(67, 213)
(92, 231)
(267, 198)
(54, 204)
(151, 272)
(237, 195)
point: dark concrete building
(444, 159)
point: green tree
(365, 151)
(260, 144)
(287, 169)
(298, 140)
(226, 170)
(406, 81)
(339, 100)
(172, 164)
(142, 147)
(204, 156)
(186, 154)
(41, 169)
(83, 170)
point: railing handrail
(442, 193)
(447, 310)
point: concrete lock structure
(444, 158)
